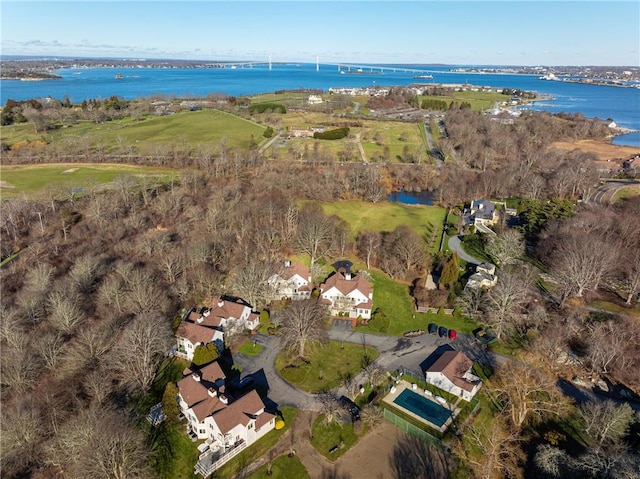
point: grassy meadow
(479, 100)
(30, 179)
(386, 216)
(142, 136)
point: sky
(420, 32)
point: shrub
(262, 107)
(335, 134)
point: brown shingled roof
(194, 332)
(238, 412)
(289, 272)
(453, 364)
(345, 286)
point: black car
(443, 332)
(433, 328)
(351, 407)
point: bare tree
(249, 281)
(527, 395)
(368, 243)
(506, 247)
(315, 232)
(605, 421)
(303, 323)
(140, 350)
(500, 451)
(65, 313)
(505, 303)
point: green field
(479, 100)
(393, 298)
(129, 136)
(386, 216)
(19, 179)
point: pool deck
(401, 386)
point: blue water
(620, 104)
(423, 407)
(411, 197)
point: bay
(604, 102)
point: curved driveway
(454, 245)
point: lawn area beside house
(233, 468)
(327, 436)
(326, 367)
(283, 467)
(386, 216)
(393, 298)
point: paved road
(280, 391)
(435, 153)
(454, 245)
(605, 192)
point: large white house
(452, 373)
(209, 324)
(344, 293)
(214, 416)
(293, 281)
(484, 277)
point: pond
(411, 197)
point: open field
(386, 216)
(479, 100)
(19, 179)
(123, 136)
(605, 152)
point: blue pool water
(423, 407)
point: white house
(293, 281)
(452, 373)
(209, 324)
(344, 293)
(214, 416)
(191, 334)
(484, 277)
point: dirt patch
(4, 185)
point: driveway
(454, 245)
(280, 391)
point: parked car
(442, 332)
(351, 407)
(433, 328)
(453, 334)
(485, 337)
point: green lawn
(393, 298)
(173, 454)
(479, 100)
(326, 437)
(118, 136)
(19, 179)
(386, 216)
(326, 367)
(283, 467)
(250, 349)
(232, 468)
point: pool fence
(412, 429)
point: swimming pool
(423, 407)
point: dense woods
(88, 303)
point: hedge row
(332, 134)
